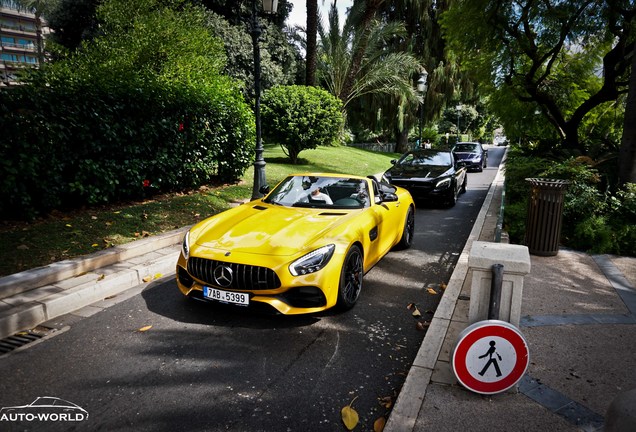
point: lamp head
(270, 6)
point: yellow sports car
(303, 248)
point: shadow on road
(166, 300)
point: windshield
(466, 148)
(321, 192)
(426, 158)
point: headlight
(185, 246)
(313, 261)
(443, 184)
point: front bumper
(423, 189)
(285, 293)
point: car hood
(421, 172)
(263, 229)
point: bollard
(495, 291)
(483, 257)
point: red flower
(146, 183)
(181, 127)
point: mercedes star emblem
(223, 276)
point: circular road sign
(490, 357)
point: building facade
(21, 40)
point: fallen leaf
(158, 275)
(422, 325)
(443, 286)
(378, 425)
(94, 217)
(386, 401)
(145, 328)
(23, 247)
(431, 291)
(350, 416)
(416, 311)
(101, 277)
(69, 225)
(94, 245)
(147, 279)
(117, 212)
(145, 234)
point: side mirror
(393, 161)
(264, 189)
(389, 197)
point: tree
(72, 22)
(301, 118)
(312, 34)
(279, 59)
(379, 71)
(627, 156)
(40, 8)
(562, 59)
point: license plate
(226, 296)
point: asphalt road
(216, 368)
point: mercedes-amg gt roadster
(303, 248)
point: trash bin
(545, 213)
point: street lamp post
(269, 6)
(421, 88)
(459, 109)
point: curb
(35, 278)
(60, 288)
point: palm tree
(38, 7)
(312, 33)
(354, 63)
(349, 71)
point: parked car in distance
(303, 248)
(473, 154)
(429, 175)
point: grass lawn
(63, 235)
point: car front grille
(244, 277)
(414, 185)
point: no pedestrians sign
(490, 357)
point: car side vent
(257, 207)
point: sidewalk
(579, 319)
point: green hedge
(73, 143)
(595, 218)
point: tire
(464, 184)
(452, 197)
(351, 277)
(409, 230)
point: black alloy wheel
(350, 278)
(452, 195)
(464, 184)
(409, 230)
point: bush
(78, 143)
(301, 118)
(594, 220)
